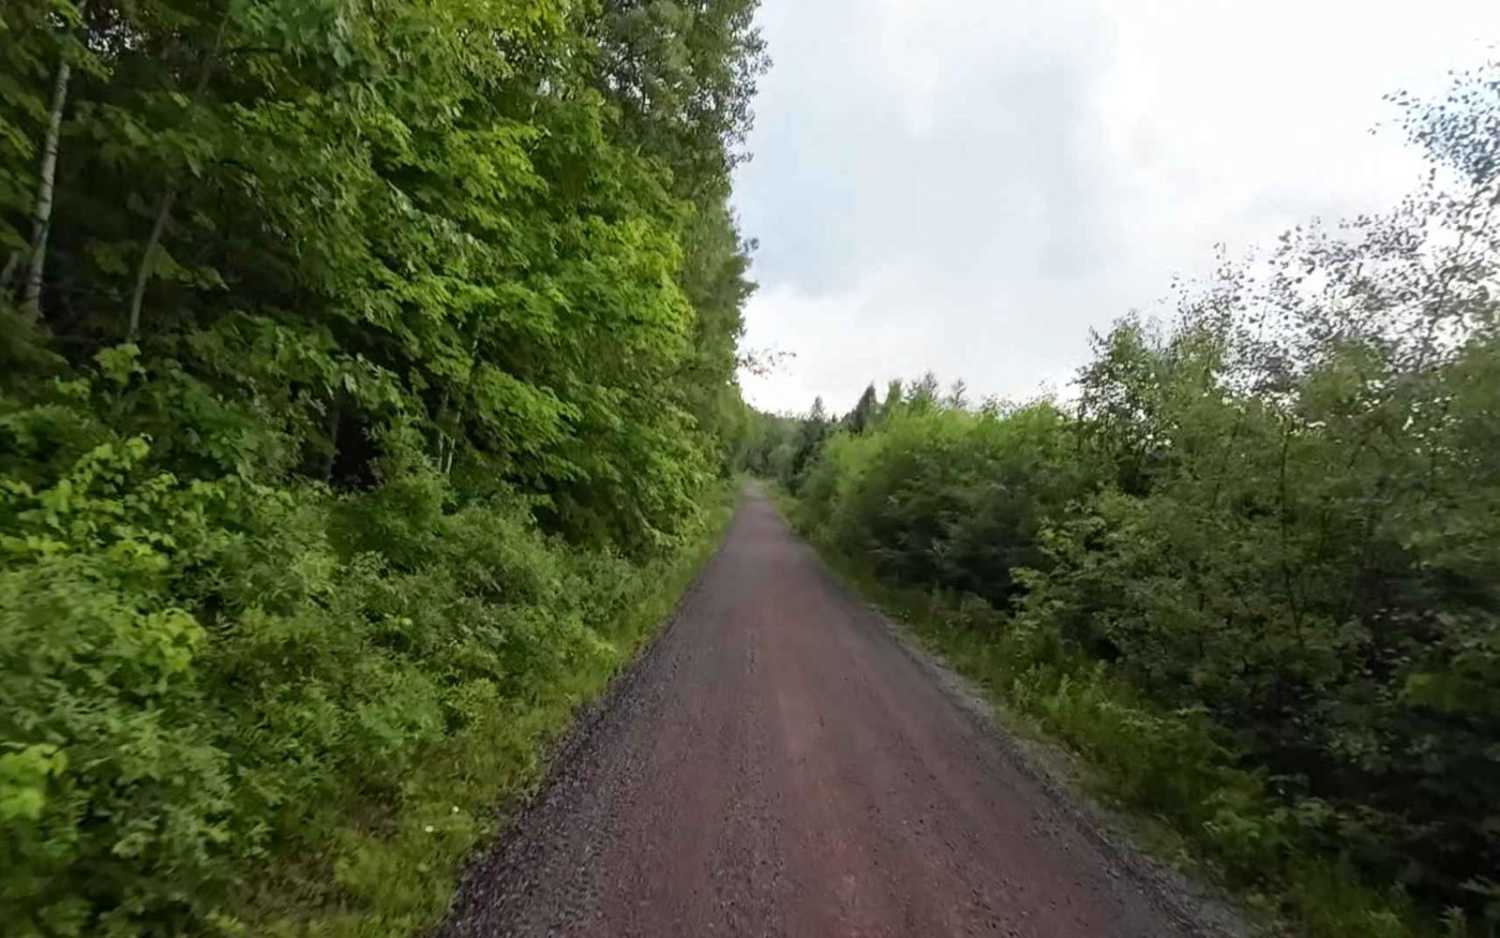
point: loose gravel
(782, 762)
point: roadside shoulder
(1200, 907)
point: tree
(1252, 570)
(864, 413)
(958, 395)
(386, 348)
(923, 394)
(893, 400)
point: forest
(367, 390)
(368, 396)
(1249, 564)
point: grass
(394, 867)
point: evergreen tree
(864, 412)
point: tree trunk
(143, 271)
(164, 207)
(41, 216)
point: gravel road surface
(781, 764)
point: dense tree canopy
(313, 312)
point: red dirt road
(780, 764)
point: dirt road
(779, 764)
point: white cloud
(969, 185)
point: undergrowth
(258, 711)
(1173, 769)
(392, 869)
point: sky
(969, 186)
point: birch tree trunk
(41, 217)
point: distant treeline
(1253, 567)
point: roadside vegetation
(366, 397)
(1251, 570)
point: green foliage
(207, 675)
(382, 362)
(1251, 571)
(938, 495)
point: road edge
(1202, 909)
(499, 851)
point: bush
(205, 677)
(1251, 571)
